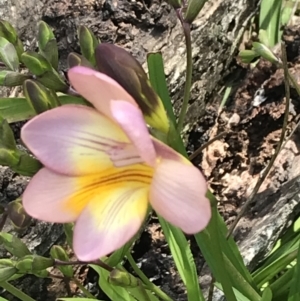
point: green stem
(188, 77)
(83, 289)
(15, 292)
(146, 281)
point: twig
(189, 70)
(205, 145)
(278, 148)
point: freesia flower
(102, 169)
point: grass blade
(183, 259)
(158, 82)
(294, 294)
(270, 22)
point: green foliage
(39, 97)
(8, 54)
(270, 22)
(14, 245)
(88, 43)
(193, 9)
(8, 32)
(47, 44)
(17, 215)
(58, 252)
(277, 277)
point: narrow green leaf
(270, 21)
(218, 256)
(183, 259)
(75, 299)
(282, 247)
(289, 7)
(193, 9)
(275, 267)
(233, 262)
(294, 294)
(281, 286)
(225, 96)
(239, 296)
(159, 83)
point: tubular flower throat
(102, 169)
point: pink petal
(165, 151)
(47, 194)
(177, 193)
(131, 119)
(77, 140)
(97, 88)
(110, 220)
(58, 198)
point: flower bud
(27, 165)
(8, 32)
(75, 59)
(52, 80)
(8, 148)
(265, 52)
(47, 44)
(123, 279)
(11, 78)
(14, 245)
(46, 75)
(7, 269)
(34, 263)
(39, 97)
(68, 228)
(8, 54)
(19, 218)
(88, 43)
(57, 252)
(247, 55)
(41, 274)
(118, 64)
(36, 63)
